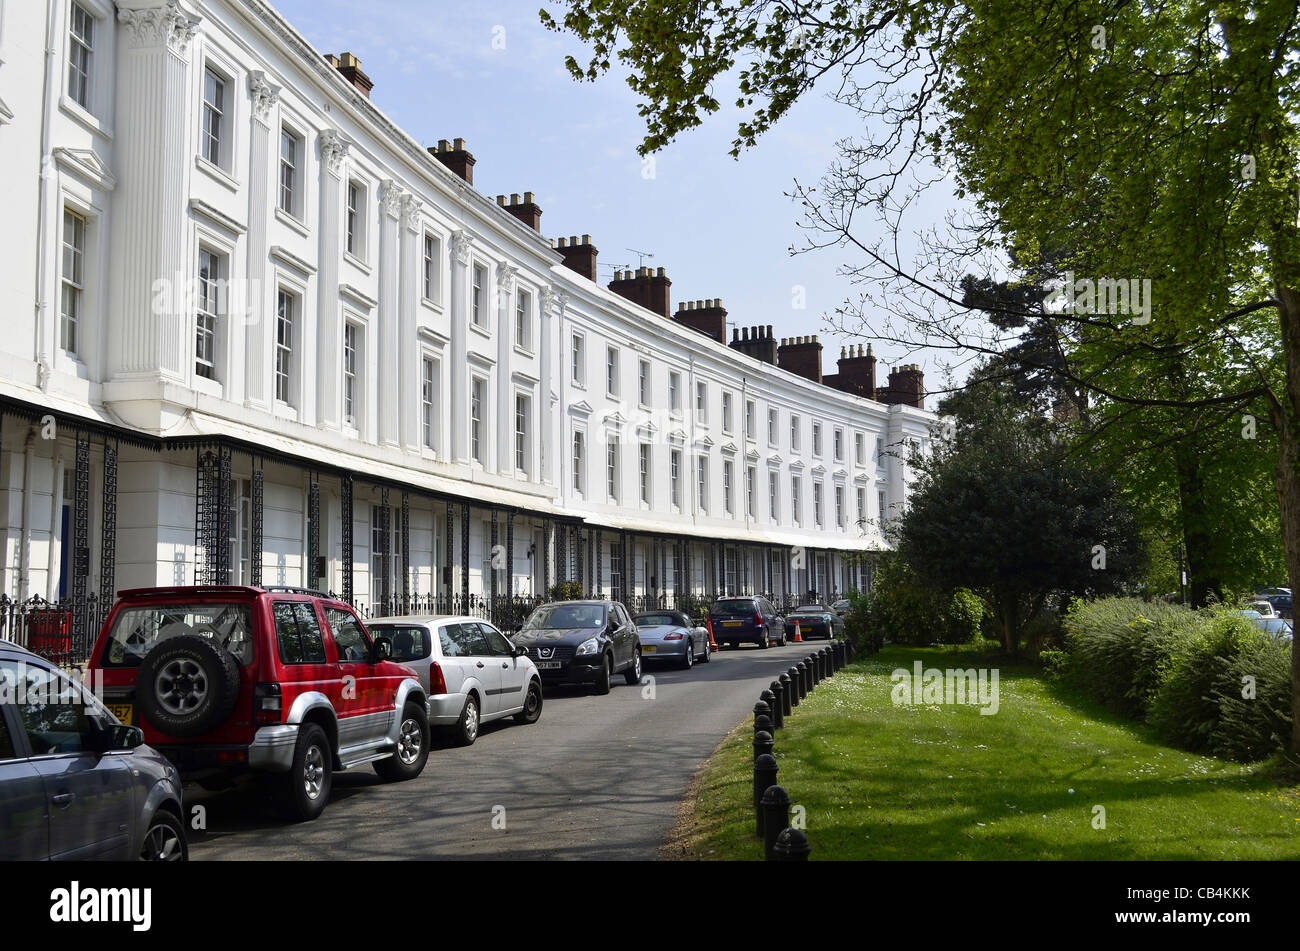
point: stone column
(409, 378)
(153, 153)
(505, 342)
(458, 412)
(258, 328)
(388, 371)
(552, 409)
(329, 334)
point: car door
(626, 636)
(478, 662)
(88, 794)
(24, 817)
(367, 701)
(511, 669)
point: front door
(24, 820)
(366, 711)
(511, 670)
(477, 662)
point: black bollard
(763, 743)
(805, 679)
(827, 669)
(786, 691)
(763, 722)
(774, 806)
(765, 769)
(819, 667)
(848, 653)
(791, 846)
(811, 663)
(761, 709)
(774, 708)
(778, 707)
(796, 694)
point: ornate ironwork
(546, 554)
(600, 562)
(257, 496)
(212, 517)
(448, 542)
(80, 561)
(345, 539)
(108, 531)
(464, 551)
(510, 553)
(385, 546)
(313, 530)
(406, 546)
(561, 552)
(492, 558)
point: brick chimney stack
(645, 286)
(709, 317)
(758, 342)
(906, 386)
(580, 256)
(857, 372)
(526, 210)
(802, 356)
(350, 69)
(456, 157)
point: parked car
(840, 608)
(1279, 599)
(74, 782)
(284, 681)
(670, 635)
(1276, 626)
(814, 620)
(582, 642)
(745, 620)
(1262, 607)
(470, 671)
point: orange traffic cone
(713, 645)
(797, 638)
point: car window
(410, 641)
(497, 643)
(298, 633)
(557, 617)
(470, 640)
(349, 636)
(137, 629)
(449, 646)
(7, 748)
(53, 710)
(737, 608)
(656, 620)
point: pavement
(594, 778)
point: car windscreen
(410, 641)
(658, 620)
(140, 628)
(735, 608)
(559, 617)
(811, 609)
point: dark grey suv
(74, 782)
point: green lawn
(880, 781)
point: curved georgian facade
(256, 333)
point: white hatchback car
(471, 672)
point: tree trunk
(1287, 421)
(1202, 573)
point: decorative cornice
(390, 198)
(87, 164)
(200, 207)
(554, 300)
(358, 296)
(506, 274)
(411, 209)
(165, 24)
(285, 256)
(333, 150)
(263, 94)
(460, 243)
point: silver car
(1271, 625)
(74, 782)
(670, 635)
(471, 672)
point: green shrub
(960, 623)
(903, 609)
(565, 591)
(1185, 710)
(1251, 728)
(1056, 664)
(859, 627)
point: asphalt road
(594, 778)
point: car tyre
(305, 788)
(708, 653)
(762, 640)
(688, 659)
(187, 686)
(467, 726)
(165, 840)
(412, 752)
(633, 674)
(532, 710)
(601, 686)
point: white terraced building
(255, 333)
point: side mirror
(127, 737)
(381, 649)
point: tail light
(672, 637)
(267, 707)
(437, 683)
(758, 619)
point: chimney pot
(459, 144)
(586, 238)
(564, 242)
(735, 334)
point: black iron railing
(61, 631)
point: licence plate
(548, 664)
(732, 623)
(647, 650)
(123, 711)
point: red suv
(282, 680)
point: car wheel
(633, 674)
(783, 637)
(306, 787)
(689, 660)
(412, 747)
(532, 704)
(187, 686)
(762, 639)
(708, 653)
(601, 686)
(467, 726)
(165, 840)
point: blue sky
(720, 227)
